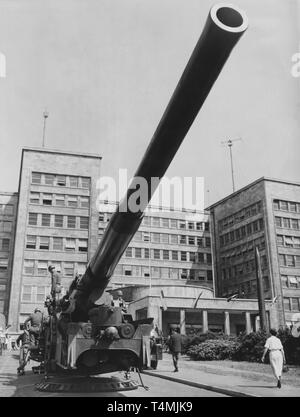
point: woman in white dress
(277, 357)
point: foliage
(213, 349)
(251, 346)
(189, 341)
(291, 345)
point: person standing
(27, 341)
(34, 323)
(277, 356)
(175, 347)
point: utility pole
(229, 143)
(260, 291)
(45, 115)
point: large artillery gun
(85, 334)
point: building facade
(264, 214)
(56, 224)
(8, 210)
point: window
(40, 294)
(42, 268)
(174, 273)
(286, 303)
(84, 222)
(191, 240)
(297, 261)
(73, 182)
(182, 225)
(166, 255)
(278, 221)
(36, 178)
(209, 275)
(279, 239)
(7, 226)
(173, 224)
(174, 239)
(183, 256)
(288, 241)
(286, 222)
(32, 219)
(58, 243)
(70, 245)
(283, 205)
(49, 179)
(191, 225)
(155, 221)
(31, 242)
(72, 201)
(146, 237)
(284, 281)
(156, 254)
(146, 253)
(293, 207)
(46, 220)
(127, 270)
(208, 258)
(164, 272)
(164, 238)
(293, 282)
(128, 253)
(155, 272)
(192, 256)
(61, 180)
(207, 242)
(146, 271)
(200, 242)
(34, 198)
(28, 267)
(69, 268)
(47, 199)
(58, 220)
(199, 226)
(84, 202)
(290, 261)
(182, 239)
(26, 293)
(82, 245)
(85, 182)
(5, 244)
(296, 242)
(138, 252)
(276, 204)
(60, 200)
(174, 255)
(206, 224)
(294, 224)
(71, 222)
(295, 304)
(201, 257)
(165, 223)
(155, 237)
(136, 271)
(183, 273)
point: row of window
(163, 254)
(58, 220)
(293, 207)
(291, 303)
(5, 226)
(39, 178)
(249, 287)
(165, 222)
(242, 232)
(160, 272)
(172, 239)
(287, 223)
(241, 215)
(34, 294)
(56, 243)
(243, 268)
(288, 241)
(235, 254)
(289, 260)
(6, 209)
(4, 244)
(290, 281)
(40, 268)
(60, 200)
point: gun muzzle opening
(229, 17)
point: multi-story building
(8, 205)
(170, 247)
(56, 224)
(266, 214)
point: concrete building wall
(8, 210)
(57, 205)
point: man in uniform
(27, 341)
(34, 323)
(175, 347)
(55, 282)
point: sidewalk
(222, 379)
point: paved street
(13, 386)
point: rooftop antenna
(229, 143)
(45, 115)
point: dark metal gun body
(223, 28)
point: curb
(220, 390)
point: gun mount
(82, 335)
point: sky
(106, 69)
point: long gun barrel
(224, 26)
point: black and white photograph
(149, 201)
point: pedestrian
(175, 347)
(27, 341)
(277, 356)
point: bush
(216, 349)
(251, 346)
(291, 346)
(189, 341)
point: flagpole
(260, 291)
